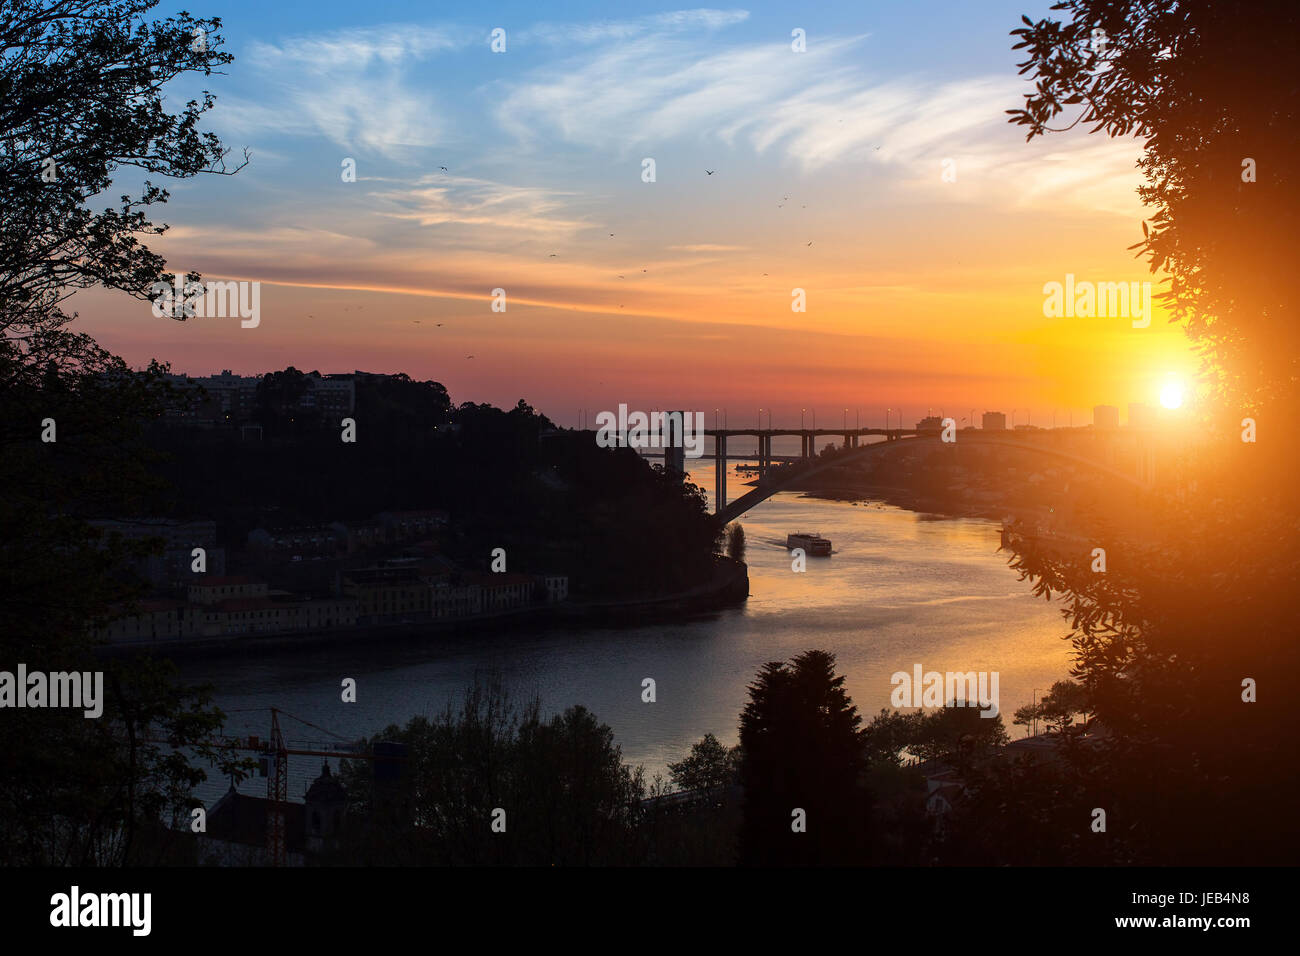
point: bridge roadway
(770, 482)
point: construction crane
(275, 753)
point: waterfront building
(157, 620)
(387, 591)
(448, 601)
(994, 421)
(320, 614)
(556, 586)
(502, 591)
(259, 615)
(214, 590)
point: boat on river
(812, 544)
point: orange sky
(921, 291)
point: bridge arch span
(767, 488)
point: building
(994, 422)
(334, 396)
(231, 399)
(215, 590)
(304, 542)
(236, 832)
(1105, 416)
(395, 590)
(360, 535)
(157, 620)
(556, 586)
(320, 614)
(253, 615)
(448, 601)
(412, 525)
(502, 591)
(171, 565)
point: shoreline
(729, 586)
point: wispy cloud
(818, 110)
(568, 34)
(467, 201)
(352, 86)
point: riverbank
(729, 585)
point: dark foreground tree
(801, 767)
(81, 99)
(492, 782)
(1171, 644)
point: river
(900, 589)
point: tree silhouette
(802, 749)
(1165, 645)
(82, 96)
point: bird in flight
(469, 356)
(553, 255)
(810, 243)
(444, 169)
(710, 171)
(439, 325)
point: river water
(900, 589)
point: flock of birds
(556, 255)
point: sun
(1171, 395)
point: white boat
(812, 544)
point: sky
(875, 171)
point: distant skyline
(828, 177)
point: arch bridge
(774, 479)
